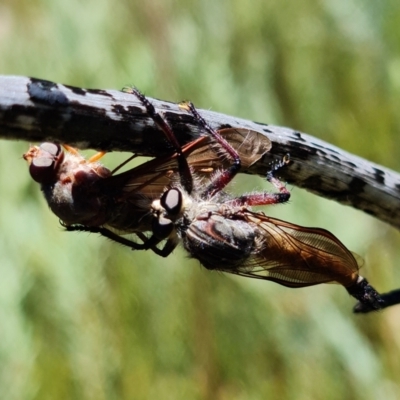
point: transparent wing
(250, 145)
(204, 157)
(296, 256)
(135, 190)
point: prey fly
(84, 192)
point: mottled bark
(36, 111)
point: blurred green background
(83, 318)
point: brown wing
(152, 177)
(135, 189)
(204, 157)
(250, 145)
(296, 256)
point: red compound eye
(43, 168)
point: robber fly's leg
(259, 199)
(275, 181)
(106, 233)
(266, 198)
(168, 248)
(184, 169)
(223, 177)
(145, 240)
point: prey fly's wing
(203, 155)
(134, 190)
(250, 145)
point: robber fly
(224, 234)
(86, 193)
(221, 231)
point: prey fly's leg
(184, 169)
(106, 233)
(148, 243)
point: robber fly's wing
(295, 256)
(250, 145)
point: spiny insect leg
(184, 169)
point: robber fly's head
(167, 210)
(44, 161)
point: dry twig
(35, 110)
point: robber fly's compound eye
(43, 168)
(162, 227)
(171, 201)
